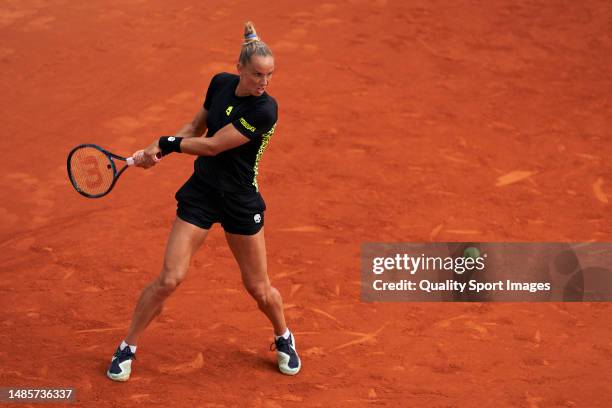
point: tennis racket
(93, 170)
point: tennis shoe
(121, 364)
(288, 360)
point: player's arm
(232, 135)
(197, 127)
(228, 137)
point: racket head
(92, 170)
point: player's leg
(183, 242)
(250, 253)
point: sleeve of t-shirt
(257, 121)
(215, 84)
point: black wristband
(169, 144)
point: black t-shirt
(235, 170)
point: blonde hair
(252, 45)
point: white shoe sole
(118, 377)
(289, 371)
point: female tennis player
(240, 118)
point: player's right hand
(142, 160)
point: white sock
(124, 345)
(284, 336)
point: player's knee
(167, 283)
(262, 293)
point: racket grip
(131, 160)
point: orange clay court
(399, 121)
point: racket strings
(91, 170)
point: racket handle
(131, 160)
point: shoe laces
(126, 352)
(281, 344)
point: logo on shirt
(264, 143)
(257, 218)
(247, 125)
(229, 110)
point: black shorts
(202, 205)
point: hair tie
(251, 36)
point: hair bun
(252, 45)
(250, 35)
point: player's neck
(241, 93)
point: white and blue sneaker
(121, 364)
(288, 360)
